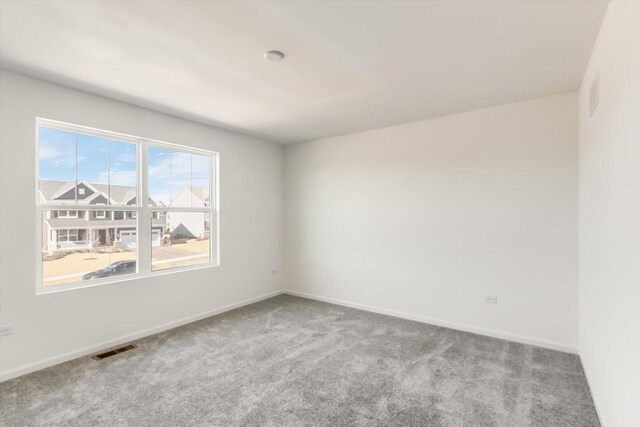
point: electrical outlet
(489, 299)
(6, 330)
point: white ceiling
(350, 65)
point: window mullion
(144, 215)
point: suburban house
(189, 224)
(65, 229)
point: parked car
(115, 269)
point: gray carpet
(292, 361)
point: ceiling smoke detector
(274, 56)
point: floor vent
(114, 352)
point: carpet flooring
(290, 361)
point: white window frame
(101, 214)
(142, 211)
(68, 214)
(67, 234)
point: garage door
(156, 236)
(128, 239)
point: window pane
(87, 248)
(200, 180)
(84, 168)
(159, 160)
(180, 239)
(180, 179)
(123, 177)
(93, 169)
(57, 165)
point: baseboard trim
(85, 351)
(523, 339)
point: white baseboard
(25, 369)
(567, 348)
(32, 367)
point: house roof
(201, 192)
(116, 194)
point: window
(67, 235)
(67, 214)
(181, 181)
(95, 230)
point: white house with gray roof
(189, 224)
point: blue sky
(97, 160)
(171, 171)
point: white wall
(426, 218)
(610, 219)
(52, 327)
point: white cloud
(178, 165)
(128, 156)
(117, 177)
(56, 157)
(46, 152)
(123, 178)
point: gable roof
(116, 194)
(68, 186)
(201, 192)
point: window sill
(50, 289)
